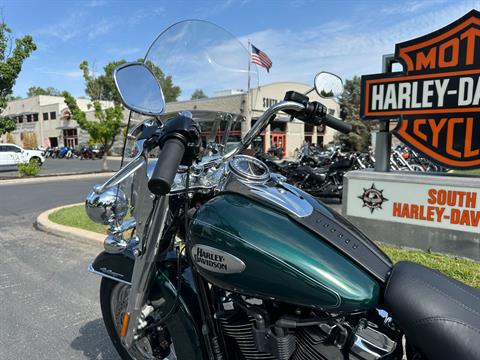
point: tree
(7, 125)
(108, 121)
(11, 61)
(198, 94)
(105, 129)
(13, 97)
(37, 90)
(170, 91)
(101, 87)
(359, 138)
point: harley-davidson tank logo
(372, 198)
(216, 260)
(437, 96)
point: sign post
(436, 100)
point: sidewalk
(59, 167)
(47, 178)
(44, 224)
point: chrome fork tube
(143, 270)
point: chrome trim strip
(93, 271)
(121, 174)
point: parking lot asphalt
(65, 166)
(50, 307)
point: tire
(113, 300)
(35, 160)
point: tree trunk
(104, 162)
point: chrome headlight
(110, 205)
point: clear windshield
(204, 69)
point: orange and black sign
(437, 96)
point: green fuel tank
(244, 246)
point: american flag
(260, 58)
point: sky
(302, 37)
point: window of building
(45, 116)
(308, 129)
(20, 119)
(53, 115)
(278, 127)
(320, 141)
(29, 118)
(35, 117)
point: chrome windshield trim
(122, 174)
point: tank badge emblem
(372, 198)
(215, 260)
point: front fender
(185, 325)
(118, 267)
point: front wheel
(36, 161)
(113, 301)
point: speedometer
(249, 168)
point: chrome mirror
(139, 89)
(328, 85)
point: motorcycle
(216, 258)
(323, 182)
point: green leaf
(11, 61)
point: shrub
(28, 169)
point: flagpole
(248, 86)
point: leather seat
(439, 315)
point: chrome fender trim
(103, 274)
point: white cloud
(65, 73)
(96, 3)
(78, 24)
(140, 15)
(394, 8)
(101, 28)
(66, 29)
(344, 48)
(125, 51)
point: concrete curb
(44, 224)
(54, 178)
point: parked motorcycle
(323, 182)
(216, 258)
(86, 153)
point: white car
(11, 155)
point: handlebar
(337, 124)
(173, 150)
(166, 167)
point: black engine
(270, 331)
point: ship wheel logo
(372, 198)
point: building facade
(281, 133)
(49, 119)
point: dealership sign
(441, 206)
(437, 96)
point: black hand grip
(337, 124)
(167, 165)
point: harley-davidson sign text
(437, 96)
